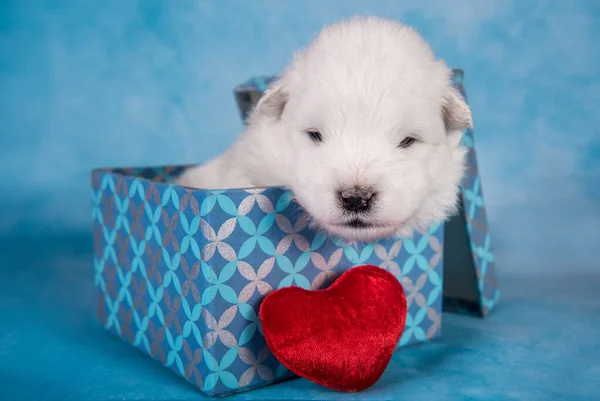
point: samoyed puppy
(363, 126)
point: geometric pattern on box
(180, 273)
(470, 281)
(469, 252)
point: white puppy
(365, 129)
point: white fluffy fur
(365, 84)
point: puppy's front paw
(190, 178)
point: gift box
(470, 281)
(180, 273)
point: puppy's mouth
(360, 229)
(357, 223)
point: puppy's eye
(406, 142)
(315, 136)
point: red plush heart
(342, 337)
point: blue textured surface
(541, 343)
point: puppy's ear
(273, 101)
(455, 111)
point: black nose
(357, 200)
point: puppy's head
(375, 128)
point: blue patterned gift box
(180, 273)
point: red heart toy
(342, 337)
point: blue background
(124, 83)
(120, 83)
